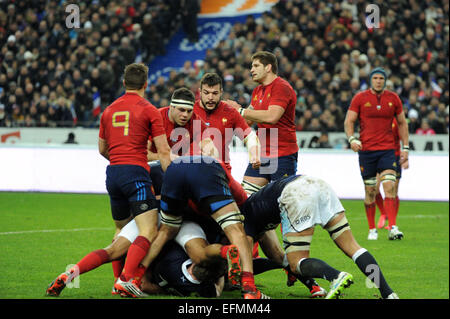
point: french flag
(96, 107)
(74, 114)
(437, 91)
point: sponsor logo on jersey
(368, 104)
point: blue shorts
(275, 168)
(202, 182)
(373, 162)
(129, 189)
(156, 175)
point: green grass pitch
(42, 233)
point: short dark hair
(266, 57)
(135, 76)
(183, 94)
(211, 79)
(210, 270)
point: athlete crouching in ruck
(206, 182)
(300, 203)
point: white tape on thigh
(172, 221)
(250, 188)
(388, 177)
(230, 218)
(370, 181)
(336, 230)
(296, 243)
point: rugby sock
(380, 204)
(390, 207)
(307, 281)
(316, 268)
(136, 253)
(248, 281)
(370, 213)
(117, 266)
(261, 265)
(91, 261)
(369, 266)
(140, 271)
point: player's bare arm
(349, 127)
(103, 148)
(253, 145)
(208, 148)
(270, 116)
(404, 137)
(163, 149)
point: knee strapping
(388, 177)
(336, 230)
(296, 243)
(372, 181)
(172, 221)
(230, 218)
(250, 188)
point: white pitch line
(52, 231)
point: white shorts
(188, 230)
(305, 202)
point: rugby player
(125, 127)
(375, 109)
(224, 122)
(273, 109)
(184, 128)
(300, 203)
(207, 183)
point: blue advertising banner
(179, 49)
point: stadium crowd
(50, 75)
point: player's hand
(404, 156)
(256, 164)
(233, 104)
(355, 144)
(254, 156)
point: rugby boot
(57, 285)
(344, 280)
(234, 266)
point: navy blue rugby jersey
(170, 273)
(261, 210)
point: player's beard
(208, 109)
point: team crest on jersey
(390, 104)
(394, 164)
(368, 104)
(224, 120)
